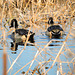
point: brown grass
(38, 12)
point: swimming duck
(14, 46)
(54, 30)
(20, 35)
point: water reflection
(14, 45)
(57, 41)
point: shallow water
(49, 53)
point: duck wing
(23, 32)
(54, 27)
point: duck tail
(33, 34)
(31, 39)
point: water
(48, 54)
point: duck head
(14, 23)
(50, 18)
(51, 21)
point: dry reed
(37, 13)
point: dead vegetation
(35, 14)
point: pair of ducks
(19, 35)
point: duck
(19, 36)
(53, 31)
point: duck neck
(52, 22)
(16, 25)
